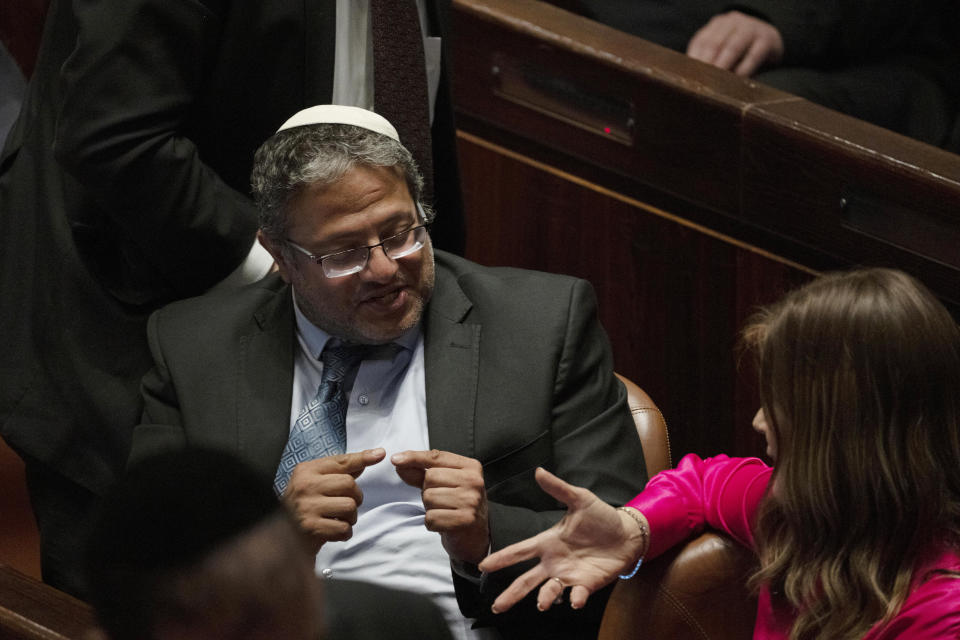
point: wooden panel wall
(673, 330)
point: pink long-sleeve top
(724, 493)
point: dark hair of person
(164, 515)
(860, 380)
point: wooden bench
(685, 194)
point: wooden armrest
(651, 427)
(32, 610)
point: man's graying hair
(320, 153)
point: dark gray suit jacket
(519, 374)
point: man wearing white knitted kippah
(470, 378)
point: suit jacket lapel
(451, 361)
(265, 375)
(265, 383)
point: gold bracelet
(644, 534)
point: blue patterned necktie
(321, 428)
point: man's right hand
(323, 494)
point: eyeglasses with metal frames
(350, 261)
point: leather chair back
(651, 427)
(696, 591)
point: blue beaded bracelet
(644, 533)
(636, 568)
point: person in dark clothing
(124, 185)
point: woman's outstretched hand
(587, 549)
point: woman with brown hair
(857, 526)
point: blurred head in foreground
(193, 544)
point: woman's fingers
(516, 552)
(572, 496)
(518, 589)
(550, 593)
(578, 596)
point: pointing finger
(349, 463)
(514, 553)
(563, 491)
(518, 589)
(413, 465)
(430, 459)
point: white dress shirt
(387, 408)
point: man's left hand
(455, 499)
(737, 42)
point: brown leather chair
(695, 591)
(651, 427)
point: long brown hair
(859, 375)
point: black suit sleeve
(594, 445)
(131, 84)
(594, 442)
(161, 425)
(832, 33)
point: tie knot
(339, 359)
